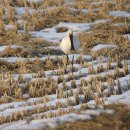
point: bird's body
(70, 44)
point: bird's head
(69, 32)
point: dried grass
(43, 86)
(120, 119)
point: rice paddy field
(36, 94)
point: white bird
(70, 44)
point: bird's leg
(72, 63)
(67, 59)
(66, 63)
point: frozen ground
(94, 82)
(102, 46)
(120, 14)
(85, 115)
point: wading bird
(69, 45)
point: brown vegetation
(119, 120)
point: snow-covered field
(35, 93)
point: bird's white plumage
(66, 44)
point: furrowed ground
(34, 91)
(118, 121)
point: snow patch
(22, 10)
(51, 34)
(120, 14)
(128, 36)
(103, 46)
(9, 27)
(2, 48)
(35, 1)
